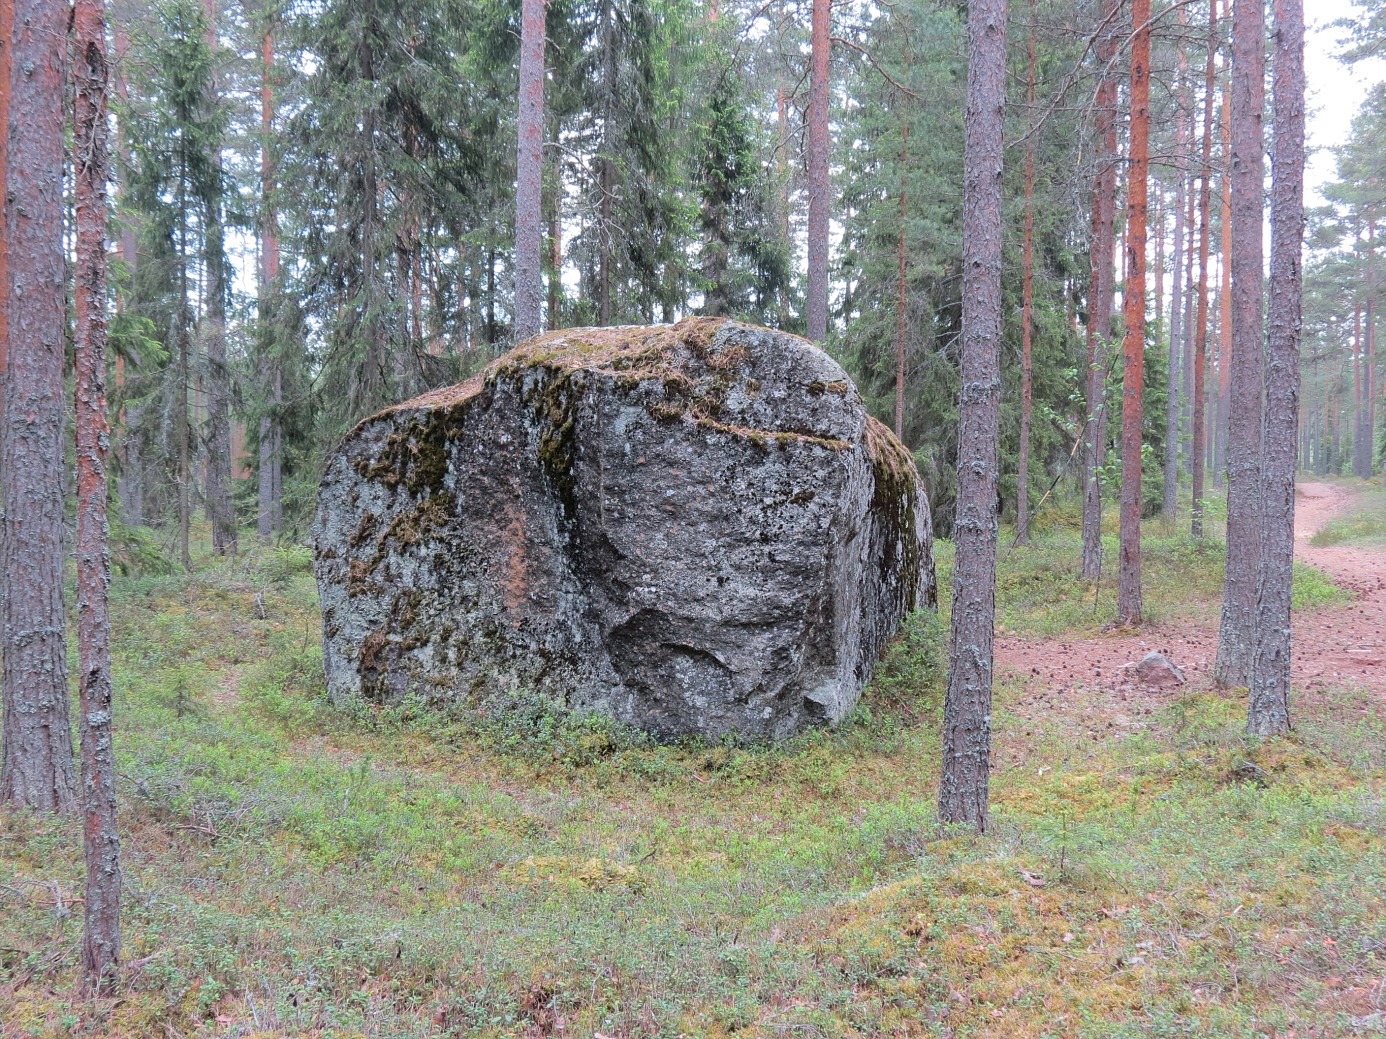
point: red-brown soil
(1334, 648)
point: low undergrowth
(297, 870)
(1041, 593)
(1365, 523)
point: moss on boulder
(693, 528)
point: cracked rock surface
(694, 529)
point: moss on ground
(295, 870)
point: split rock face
(695, 529)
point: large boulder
(692, 528)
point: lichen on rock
(695, 529)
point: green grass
(292, 869)
(1040, 592)
(1365, 523)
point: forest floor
(293, 869)
(1334, 647)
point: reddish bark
(1237, 635)
(529, 176)
(819, 185)
(1100, 288)
(1129, 604)
(38, 768)
(1176, 309)
(1027, 310)
(101, 839)
(963, 788)
(1269, 710)
(1205, 200)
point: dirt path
(1333, 648)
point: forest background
(317, 216)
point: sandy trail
(1333, 648)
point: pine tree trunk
(101, 839)
(1269, 712)
(1129, 604)
(819, 186)
(1190, 296)
(1369, 363)
(1237, 635)
(529, 176)
(183, 364)
(967, 705)
(554, 243)
(607, 176)
(900, 291)
(1198, 400)
(1027, 311)
(220, 508)
(6, 36)
(38, 768)
(269, 367)
(1359, 399)
(1176, 307)
(1100, 291)
(1219, 445)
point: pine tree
(1236, 636)
(1269, 710)
(37, 771)
(963, 789)
(1129, 599)
(529, 293)
(1198, 446)
(101, 839)
(1100, 288)
(819, 184)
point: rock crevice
(694, 528)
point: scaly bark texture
(101, 839)
(1129, 605)
(529, 176)
(1197, 447)
(1218, 447)
(38, 768)
(1269, 710)
(1170, 505)
(1027, 311)
(1100, 291)
(819, 185)
(963, 788)
(1236, 637)
(6, 33)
